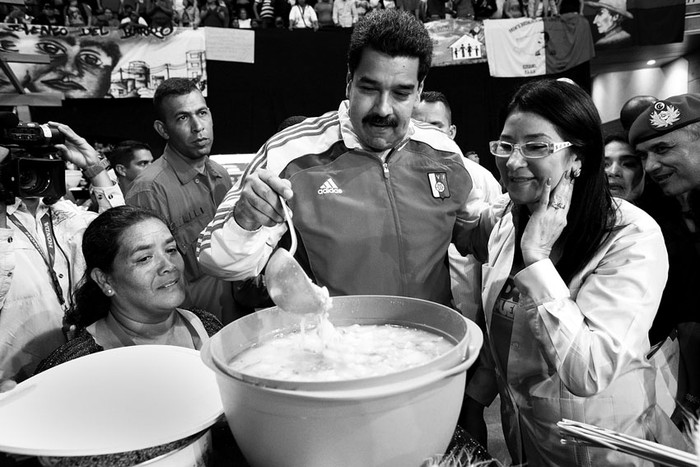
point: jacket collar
(19, 204)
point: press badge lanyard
(47, 226)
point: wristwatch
(92, 170)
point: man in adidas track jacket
(376, 197)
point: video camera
(33, 169)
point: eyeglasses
(529, 150)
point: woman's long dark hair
(101, 243)
(592, 213)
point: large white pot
(393, 420)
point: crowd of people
(253, 14)
(576, 266)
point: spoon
(287, 283)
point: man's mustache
(374, 119)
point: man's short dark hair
(172, 87)
(395, 33)
(123, 153)
(431, 97)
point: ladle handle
(292, 232)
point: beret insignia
(664, 115)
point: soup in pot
(329, 353)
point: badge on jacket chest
(438, 185)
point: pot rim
(463, 354)
(380, 391)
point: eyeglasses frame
(553, 147)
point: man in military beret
(666, 134)
(667, 137)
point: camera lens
(37, 176)
(34, 183)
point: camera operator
(41, 260)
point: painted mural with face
(101, 61)
(78, 68)
(608, 22)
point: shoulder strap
(82, 344)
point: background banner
(103, 62)
(457, 41)
(515, 47)
(534, 47)
(625, 23)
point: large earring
(575, 173)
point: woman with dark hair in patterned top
(133, 286)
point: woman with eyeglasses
(571, 285)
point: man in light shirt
(344, 13)
(41, 261)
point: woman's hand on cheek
(547, 221)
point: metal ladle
(287, 283)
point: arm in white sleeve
(488, 188)
(600, 330)
(226, 250)
(7, 263)
(107, 196)
(472, 236)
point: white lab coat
(577, 351)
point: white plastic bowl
(394, 420)
(193, 454)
